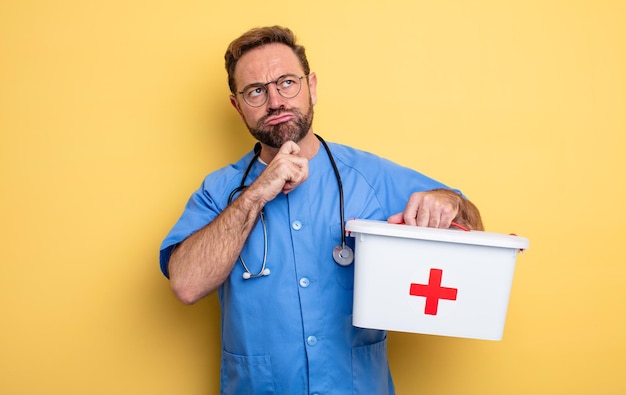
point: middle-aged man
(262, 232)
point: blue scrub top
(291, 332)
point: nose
(274, 99)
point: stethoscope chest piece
(343, 255)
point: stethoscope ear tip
(247, 275)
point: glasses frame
(264, 86)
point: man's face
(279, 119)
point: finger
(397, 218)
(289, 148)
(423, 216)
(447, 213)
(298, 173)
(410, 212)
(446, 219)
(283, 174)
(288, 187)
(434, 219)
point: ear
(313, 87)
(233, 101)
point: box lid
(475, 237)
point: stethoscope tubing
(342, 254)
(340, 186)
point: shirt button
(296, 225)
(311, 340)
(304, 282)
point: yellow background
(112, 112)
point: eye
(255, 91)
(287, 82)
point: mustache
(278, 111)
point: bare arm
(438, 209)
(201, 263)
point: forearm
(201, 263)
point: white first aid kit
(446, 282)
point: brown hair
(258, 37)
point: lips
(275, 120)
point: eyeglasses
(288, 86)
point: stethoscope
(342, 254)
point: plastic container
(444, 282)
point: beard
(276, 135)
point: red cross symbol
(433, 291)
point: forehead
(266, 63)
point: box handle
(459, 226)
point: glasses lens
(255, 95)
(289, 85)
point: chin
(277, 136)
